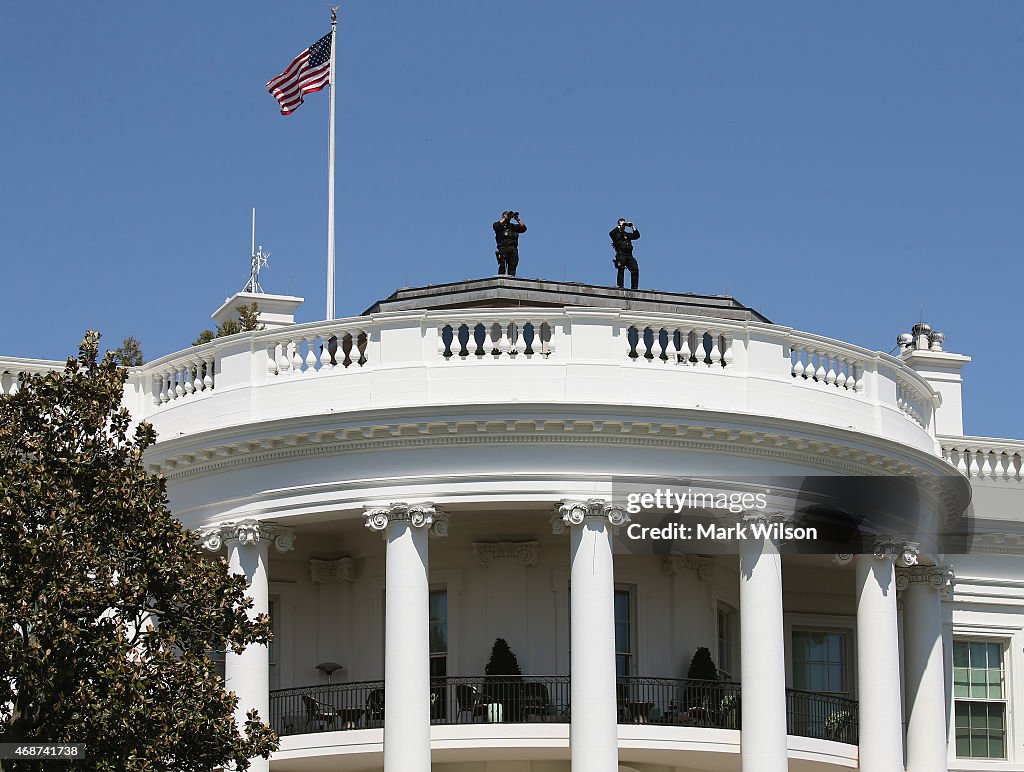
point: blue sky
(835, 165)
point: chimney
(921, 350)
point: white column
(763, 745)
(924, 675)
(247, 674)
(406, 627)
(878, 659)
(593, 729)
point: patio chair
(536, 701)
(374, 706)
(318, 714)
(470, 700)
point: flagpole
(330, 173)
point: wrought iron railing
(327, 707)
(823, 716)
(520, 699)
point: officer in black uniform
(622, 240)
(506, 236)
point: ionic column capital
(896, 549)
(675, 564)
(942, 578)
(522, 552)
(332, 571)
(416, 515)
(576, 512)
(247, 533)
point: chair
(375, 705)
(470, 700)
(536, 701)
(317, 713)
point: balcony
(668, 702)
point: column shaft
(878, 666)
(594, 727)
(925, 679)
(406, 650)
(247, 674)
(763, 745)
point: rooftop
(513, 291)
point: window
(273, 646)
(726, 640)
(819, 661)
(623, 632)
(438, 633)
(980, 695)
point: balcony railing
(504, 700)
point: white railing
(315, 351)
(485, 337)
(984, 458)
(691, 345)
(12, 367)
(824, 363)
(192, 373)
(753, 363)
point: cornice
(843, 455)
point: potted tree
(504, 683)
(702, 694)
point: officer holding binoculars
(506, 236)
(622, 241)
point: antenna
(258, 260)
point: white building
(506, 417)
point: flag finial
(334, 13)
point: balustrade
(495, 339)
(191, 374)
(985, 459)
(519, 699)
(312, 352)
(684, 346)
(827, 367)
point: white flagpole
(330, 173)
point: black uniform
(506, 236)
(623, 240)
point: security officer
(506, 236)
(622, 240)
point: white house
(404, 487)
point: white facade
(399, 505)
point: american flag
(309, 72)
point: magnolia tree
(108, 607)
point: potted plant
(504, 684)
(839, 726)
(701, 692)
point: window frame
(824, 623)
(631, 654)
(726, 664)
(1005, 651)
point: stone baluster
(819, 373)
(284, 362)
(209, 376)
(727, 353)
(972, 463)
(841, 365)
(858, 377)
(272, 365)
(671, 349)
(798, 364)
(684, 347)
(311, 354)
(830, 374)
(986, 464)
(715, 356)
(188, 378)
(295, 348)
